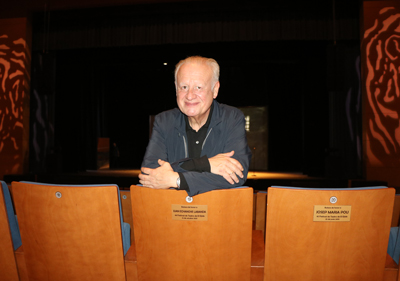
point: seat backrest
(70, 232)
(208, 238)
(8, 266)
(327, 234)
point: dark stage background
(310, 88)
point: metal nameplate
(190, 212)
(332, 213)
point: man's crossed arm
(164, 176)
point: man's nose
(190, 95)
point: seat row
(97, 232)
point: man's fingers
(224, 165)
(236, 163)
(234, 177)
(228, 178)
(231, 177)
(145, 170)
(142, 179)
(236, 168)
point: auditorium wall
(14, 95)
(381, 92)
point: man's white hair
(201, 60)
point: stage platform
(258, 180)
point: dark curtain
(197, 22)
(44, 155)
(80, 114)
(109, 80)
(344, 154)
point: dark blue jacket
(225, 133)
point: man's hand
(162, 177)
(224, 165)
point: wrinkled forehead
(199, 72)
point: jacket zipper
(184, 143)
(206, 139)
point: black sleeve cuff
(197, 164)
(184, 184)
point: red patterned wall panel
(381, 69)
(14, 96)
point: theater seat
(205, 237)
(10, 238)
(327, 234)
(71, 232)
(127, 210)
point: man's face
(194, 89)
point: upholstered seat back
(70, 232)
(208, 238)
(327, 234)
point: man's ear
(215, 90)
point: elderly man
(202, 145)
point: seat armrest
(390, 263)
(391, 269)
(131, 264)
(131, 254)
(257, 256)
(257, 249)
(21, 265)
